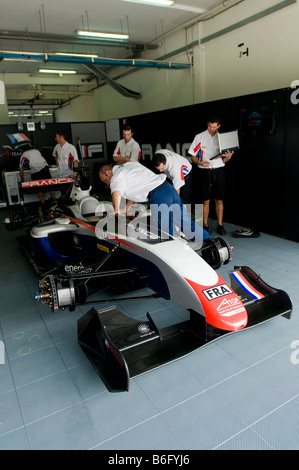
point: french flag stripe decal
(240, 279)
(15, 138)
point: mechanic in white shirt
(33, 160)
(127, 149)
(178, 169)
(65, 155)
(211, 173)
(152, 188)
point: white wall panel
(218, 72)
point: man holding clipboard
(205, 153)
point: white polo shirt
(33, 160)
(130, 149)
(134, 181)
(204, 147)
(177, 167)
(67, 155)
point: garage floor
(240, 392)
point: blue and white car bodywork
(86, 252)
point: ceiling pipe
(54, 38)
(116, 86)
(97, 61)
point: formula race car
(84, 246)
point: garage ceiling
(31, 35)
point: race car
(86, 246)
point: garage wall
(262, 179)
(256, 57)
(269, 31)
(262, 189)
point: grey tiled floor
(240, 392)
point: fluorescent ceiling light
(97, 34)
(169, 3)
(74, 54)
(160, 3)
(21, 52)
(60, 72)
(18, 59)
(177, 6)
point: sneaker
(207, 229)
(246, 233)
(221, 230)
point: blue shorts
(166, 194)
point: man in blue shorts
(136, 183)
